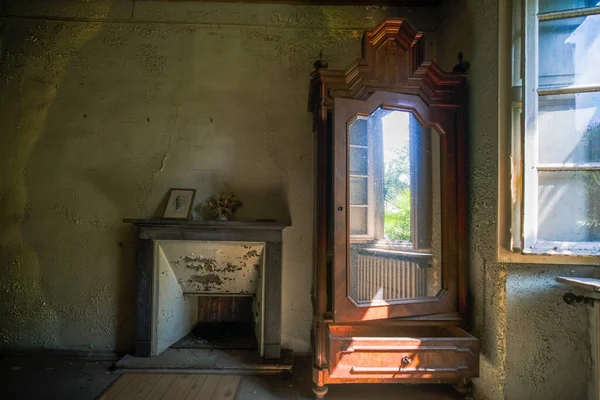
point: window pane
(569, 206)
(569, 128)
(358, 160)
(517, 41)
(359, 191)
(358, 221)
(357, 134)
(569, 51)
(562, 5)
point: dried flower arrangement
(224, 205)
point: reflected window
(394, 207)
(389, 179)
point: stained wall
(106, 105)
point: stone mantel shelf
(168, 229)
(208, 223)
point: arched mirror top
(413, 104)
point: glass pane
(563, 5)
(569, 206)
(358, 220)
(517, 43)
(358, 160)
(569, 128)
(359, 194)
(395, 239)
(569, 51)
(358, 132)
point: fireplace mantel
(149, 231)
(165, 229)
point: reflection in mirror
(394, 207)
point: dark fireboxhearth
(220, 335)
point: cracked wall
(533, 346)
(106, 105)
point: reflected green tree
(397, 196)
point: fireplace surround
(188, 272)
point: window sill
(589, 284)
(506, 256)
(551, 248)
(397, 253)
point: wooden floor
(173, 387)
(85, 378)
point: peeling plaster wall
(215, 267)
(534, 346)
(105, 105)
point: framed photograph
(180, 204)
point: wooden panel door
(396, 208)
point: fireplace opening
(220, 335)
(224, 322)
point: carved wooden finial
(320, 63)
(462, 66)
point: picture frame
(179, 204)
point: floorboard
(182, 386)
(192, 394)
(206, 390)
(173, 387)
(162, 386)
(227, 387)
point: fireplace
(208, 285)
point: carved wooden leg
(320, 391)
(463, 387)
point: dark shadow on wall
(84, 256)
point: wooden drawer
(403, 352)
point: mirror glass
(394, 207)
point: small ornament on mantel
(223, 205)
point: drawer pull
(406, 360)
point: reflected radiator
(387, 278)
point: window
(555, 118)
(365, 141)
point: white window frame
(518, 166)
(374, 178)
